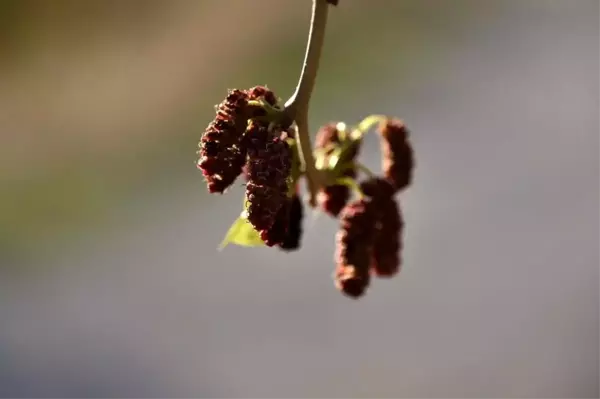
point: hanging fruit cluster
(250, 136)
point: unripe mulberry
(293, 234)
(286, 231)
(387, 246)
(386, 256)
(354, 243)
(276, 234)
(327, 134)
(267, 170)
(397, 153)
(263, 204)
(269, 161)
(333, 198)
(221, 155)
(258, 92)
(378, 188)
(285, 135)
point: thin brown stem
(299, 101)
(296, 108)
(314, 178)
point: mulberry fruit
(397, 153)
(286, 231)
(293, 235)
(221, 154)
(263, 204)
(258, 92)
(276, 234)
(378, 188)
(268, 170)
(354, 243)
(387, 245)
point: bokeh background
(110, 281)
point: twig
(296, 107)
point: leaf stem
(363, 168)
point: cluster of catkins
(244, 140)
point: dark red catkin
(293, 236)
(221, 157)
(268, 170)
(286, 231)
(397, 153)
(326, 134)
(333, 198)
(378, 188)
(263, 205)
(285, 135)
(258, 92)
(354, 243)
(387, 244)
(275, 235)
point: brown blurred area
(110, 281)
(100, 74)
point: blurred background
(111, 284)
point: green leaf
(320, 155)
(366, 124)
(342, 129)
(341, 153)
(334, 158)
(242, 233)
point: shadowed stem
(296, 108)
